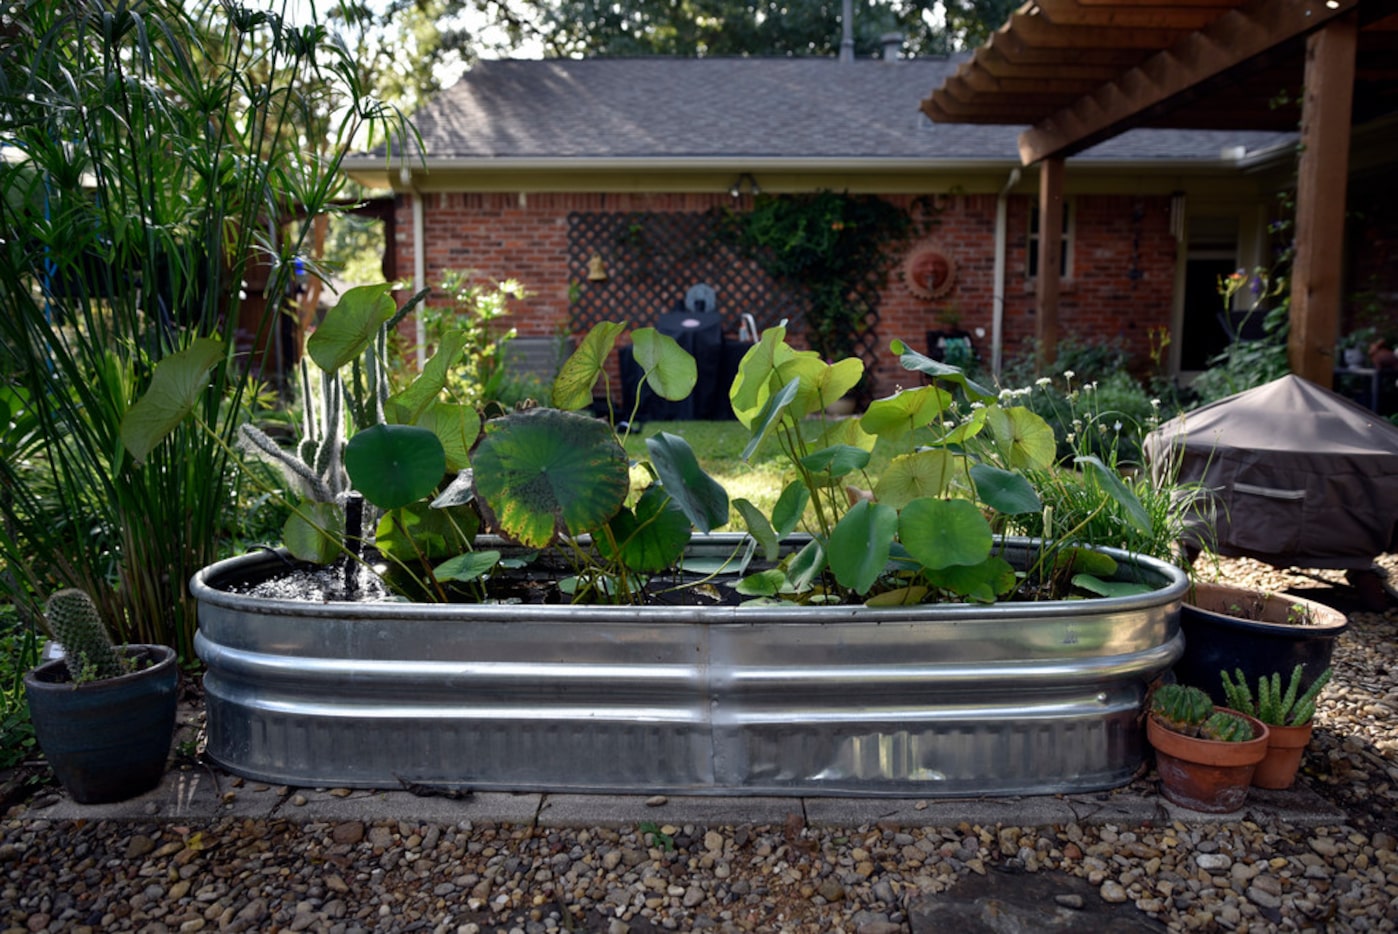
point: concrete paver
(194, 793)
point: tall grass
(154, 150)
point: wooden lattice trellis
(652, 260)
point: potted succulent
(1231, 628)
(1288, 718)
(103, 715)
(562, 630)
(1205, 755)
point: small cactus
(1226, 727)
(87, 649)
(1273, 706)
(1182, 709)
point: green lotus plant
(558, 483)
(433, 475)
(927, 529)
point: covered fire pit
(1297, 476)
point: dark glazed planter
(1259, 640)
(106, 740)
(1204, 774)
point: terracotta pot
(1204, 774)
(1285, 747)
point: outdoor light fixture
(745, 179)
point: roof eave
(376, 172)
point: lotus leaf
(540, 473)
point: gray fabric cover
(1299, 475)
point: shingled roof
(674, 111)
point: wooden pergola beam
(1047, 283)
(1321, 182)
(1228, 42)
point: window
(1066, 258)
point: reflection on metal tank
(1014, 698)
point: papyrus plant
(152, 150)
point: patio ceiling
(1078, 72)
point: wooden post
(1322, 177)
(1050, 259)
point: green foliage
(836, 248)
(1224, 727)
(1244, 364)
(1273, 706)
(1181, 708)
(77, 626)
(1103, 425)
(930, 525)
(19, 652)
(542, 473)
(150, 139)
(724, 27)
(477, 314)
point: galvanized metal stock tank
(1014, 698)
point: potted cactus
(1288, 718)
(1205, 755)
(103, 715)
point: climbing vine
(836, 248)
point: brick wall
(1119, 286)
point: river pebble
(298, 874)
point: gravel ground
(265, 875)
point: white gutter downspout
(997, 301)
(419, 266)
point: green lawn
(719, 447)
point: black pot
(1234, 628)
(106, 740)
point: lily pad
(314, 532)
(1025, 440)
(942, 533)
(175, 387)
(466, 567)
(1005, 491)
(791, 506)
(752, 386)
(572, 388)
(394, 465)
(859, 543)
(543, 472)
(702, 498)
(759, 528)
(981, 583)
(669, 369)
(917, 475)
(349, 326)
(835, 462)
(895, 416)
(912, 360)
(651, 538)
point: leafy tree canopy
(768, 27)
(409, 45)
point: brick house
(552, 171)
